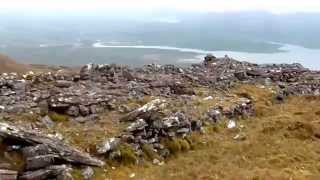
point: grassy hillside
(8, 65)
(281, 142)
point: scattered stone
(139, 125)
(73, 111)
(209, 59)
(97, 88)
(38, 150)
(5, 166)
(132, 175)
(231, 124)
(47, 121)
(208, 98)
(81, 119)
(240, 137)
(44, 174)
(63, 84)
(108, 145)
(87, 173)
(146, 110)
(8, 174)
(196, 125)
(241, 75)
(215, 114)
(60, 149)
(44, 107)
(38, 162)
(84, 111)
(85, 72)
(156, 161)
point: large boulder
(63, 83)
(73, 111)
(85, 72)
(8, 174)
(108, 145)
(209, 59)
(146, 110)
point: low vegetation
(281, 142)
(177, 129)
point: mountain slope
(9, 65)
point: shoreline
(161, 54)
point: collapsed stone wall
(97, 88)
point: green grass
(56, 117)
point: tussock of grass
(86, 136)
(127, 155)
(58, 117)
(76, 174)
(178, 145)
(191, 141)
(149, 153)
(184, 144)
(172, 145)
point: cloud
(275, 6)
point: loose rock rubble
(8, 174)
(242, 108)
(43, 153)
(97, 89)
(151, 129)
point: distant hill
(9, 65)
(245, 31)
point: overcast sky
(274, 6)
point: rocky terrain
(66, 124)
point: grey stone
(37, 162)
(87, 173)
(44, 174)
(73, 111)
(108, 145)
(139, 125)
(215, 114)
(63, 84)
(8, 174)
(38, 150)
(47, 121)
(84, 111)
(44, 107)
